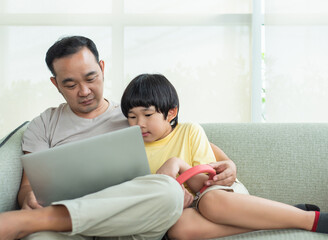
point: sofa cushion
(11, 168)
(283, 234)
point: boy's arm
(225, 167)
(174, 166)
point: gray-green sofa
(283, 162)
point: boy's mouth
(145, 134)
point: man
(143, 208)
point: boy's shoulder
(190, 127)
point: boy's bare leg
(17, 224)
(193, 226)
(252, 212)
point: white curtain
(296, 58)
(203, 47)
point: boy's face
(152, 123)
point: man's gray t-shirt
(57, 126)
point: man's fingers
(34, 204)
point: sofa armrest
(10, 168)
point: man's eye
(91, 79)
(70, 86)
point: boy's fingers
(224, 182)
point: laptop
(86, 166)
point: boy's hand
(188, 198)
(227, 172)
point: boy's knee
(216, 201)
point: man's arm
(26, 198)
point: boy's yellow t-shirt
(187, 141)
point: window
(230, 60)
(201, 46)
(296, 54)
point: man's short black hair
(148, 90)
(67, 46)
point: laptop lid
(82, 167)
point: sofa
(286, 162)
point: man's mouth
(86, 101)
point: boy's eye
(131, 117)
(148, 115)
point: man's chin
(88, 109)
(84, 110)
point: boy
(151, 102)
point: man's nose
(84, 90)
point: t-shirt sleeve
(35, 136)
(201, 150)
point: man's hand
(227, 172)
(26, 197)
(30, 201)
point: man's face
(80, 79)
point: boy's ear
(172, 114)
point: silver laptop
(78, 168)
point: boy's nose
(141, 122)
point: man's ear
(54, 82)
(172, 114)
(102, 66)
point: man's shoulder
(49, 112)
(52, 110)
(36, 136)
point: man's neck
(102, 107)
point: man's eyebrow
(66, 80)
(90, 73)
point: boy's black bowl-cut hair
(148, 90)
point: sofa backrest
(285, 162)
